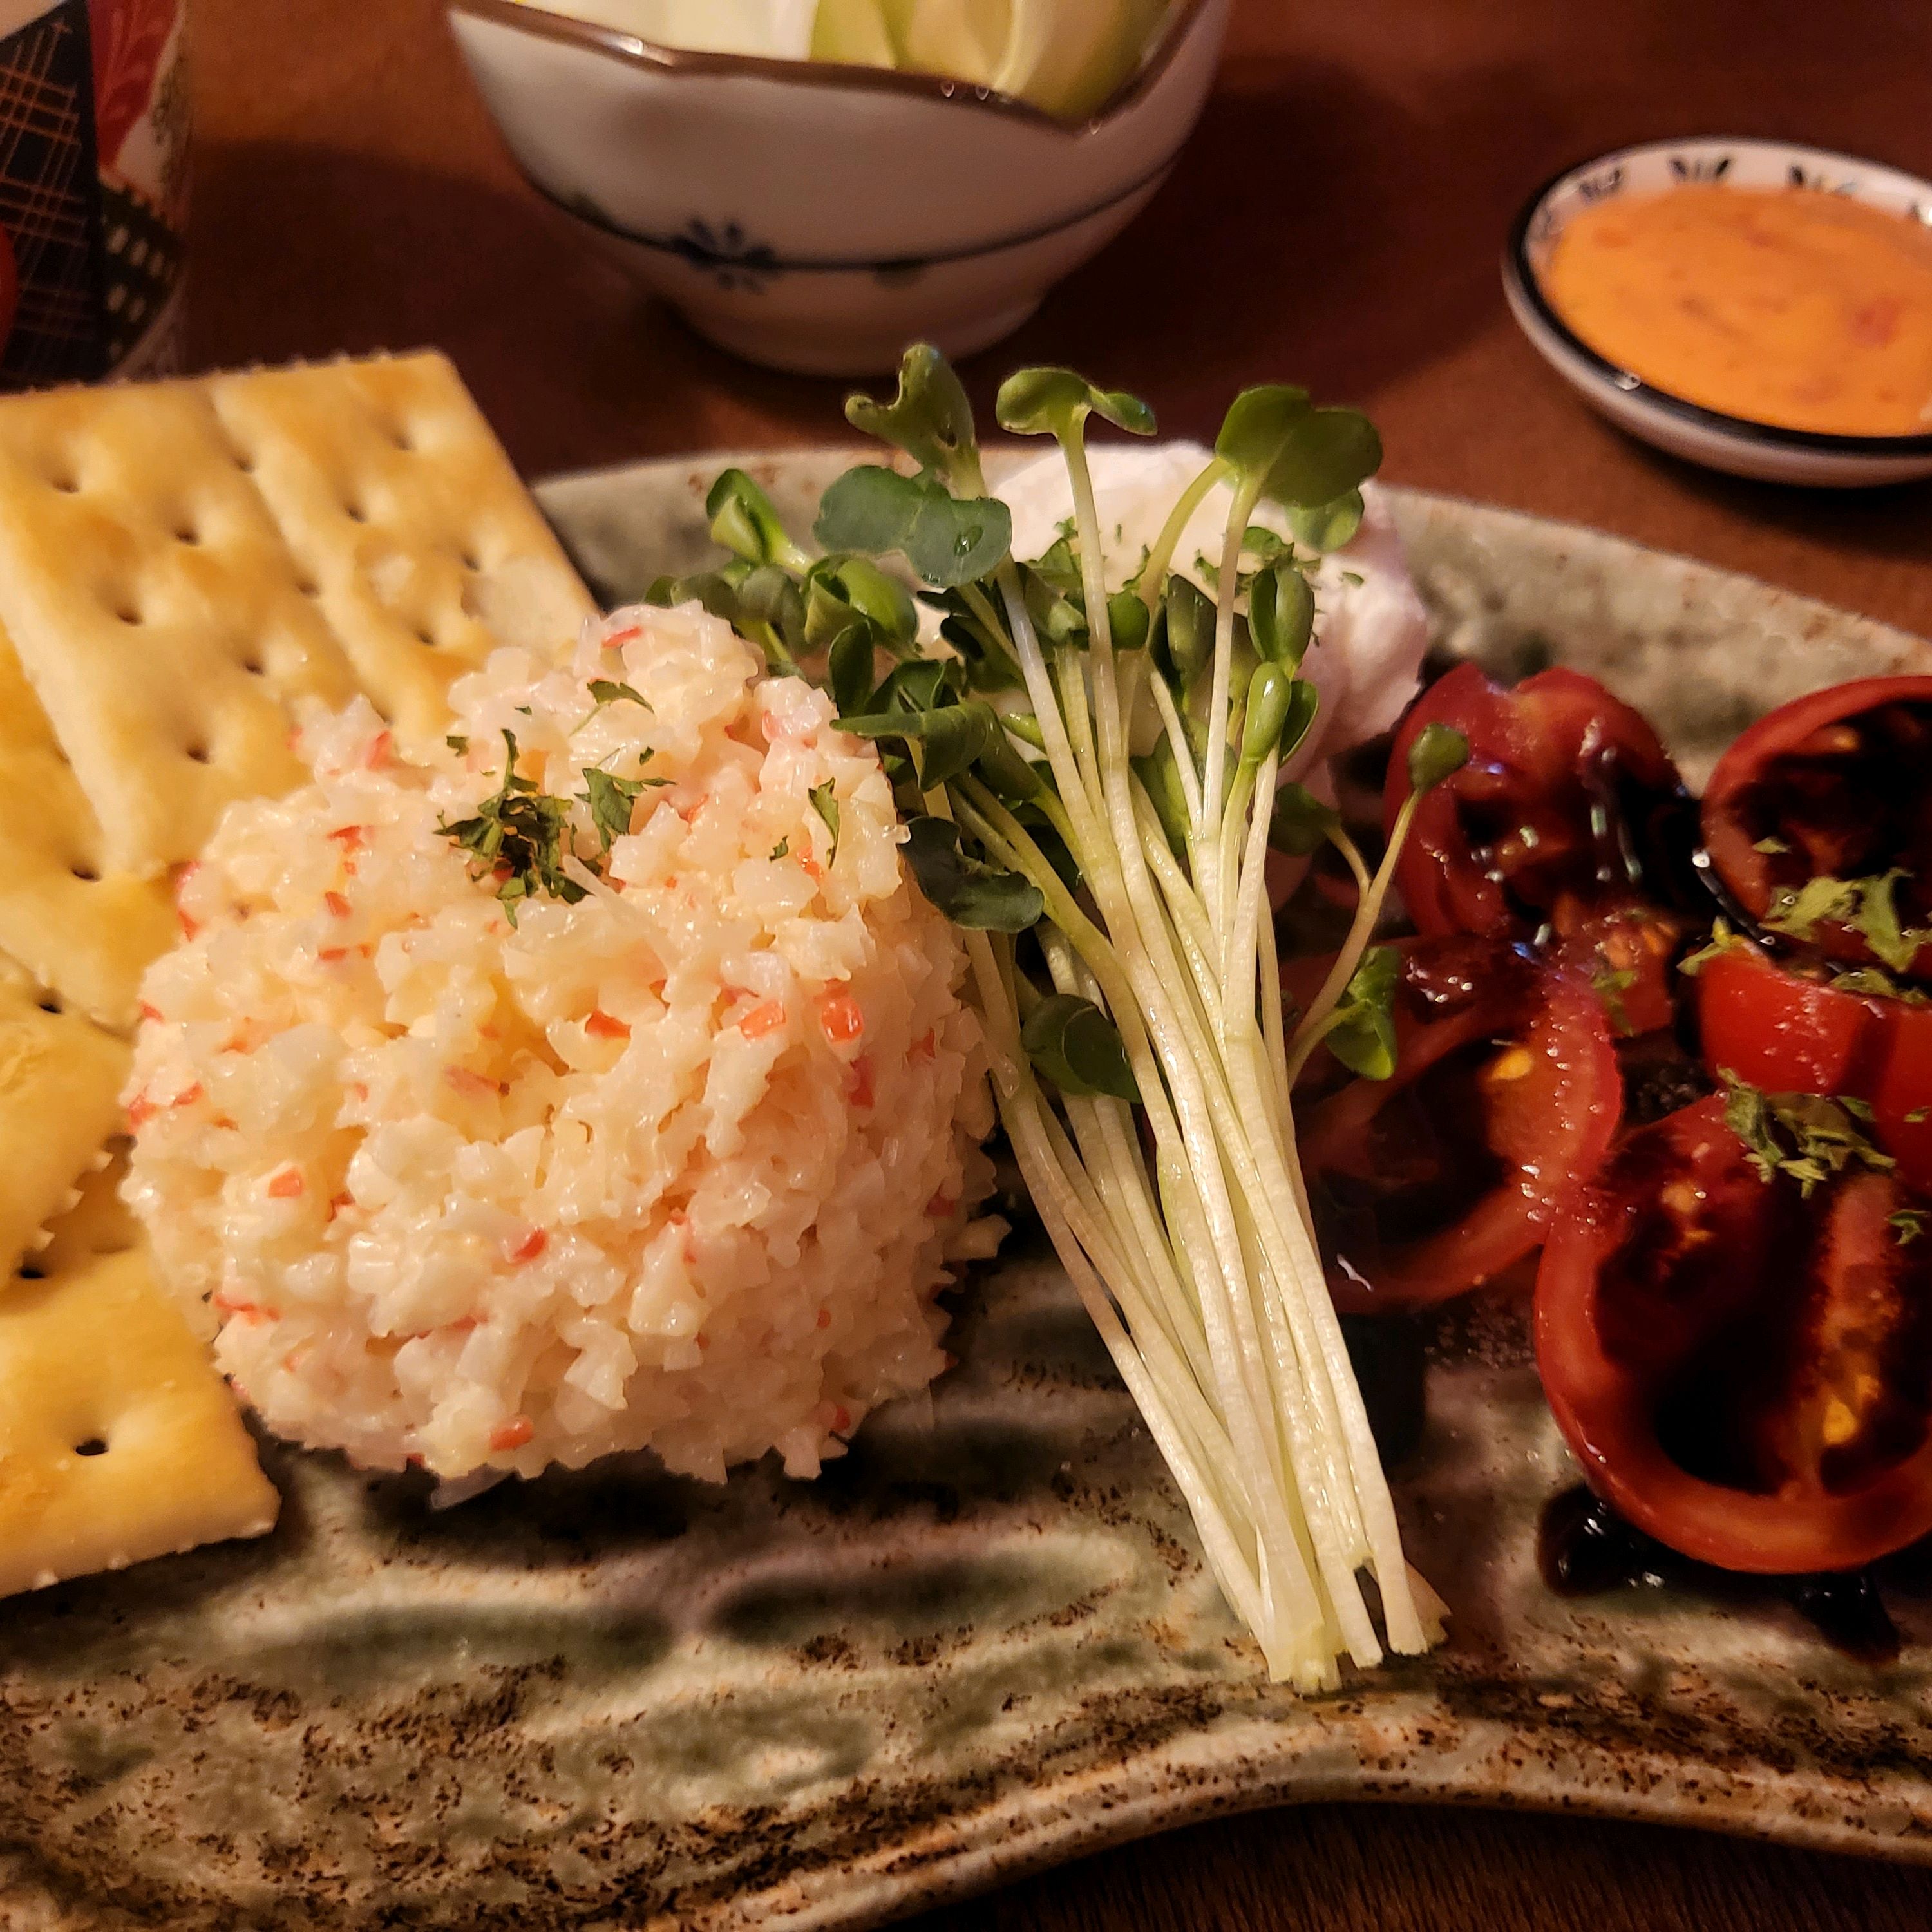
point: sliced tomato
(1569, 798)
(1791, 1032)
(1505, 1094)
(1836, 784)
(1744, 1374)
(1568, 826)
(1628, 956)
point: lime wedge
(853, 31)
(966, 39)
(777, 29)
(1070, 57)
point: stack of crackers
(180, 564)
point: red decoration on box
(129, 37)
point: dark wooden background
(1337, 223)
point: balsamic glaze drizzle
(1583, 1548)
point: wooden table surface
(1337, 223)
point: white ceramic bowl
(819, 217)
(1732, 443)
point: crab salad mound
(602, 1083)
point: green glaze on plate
(982, 1642)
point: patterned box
(94, 139)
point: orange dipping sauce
(1784, 306)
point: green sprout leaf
(716, 590)
(1055, 402)
(1325, 526)
(1295, 454)
(952, 739)
(1160, 779)
(1128, 621)
(1271, 699)
(930, 418)
(1187, 643)
(770, 596)
(1439, 750)
(843, 592)
(1304, 701)
(949, 541)
(922, 685)
(1361, 1035)
(1078, 1048)
(743, 522)
(1056, 609)
(969, 892)
(1332, 452)
(1259, 426)
(849, 668)
(825, 802)
(1281, 614)
(1300, 823)
(870, 508)
(1010, 776)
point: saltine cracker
(399, 505)
(156, 610)
(61, 1078)
(182, 563)
(77, 926)
(118, 1440)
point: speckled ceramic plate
(982, 1642)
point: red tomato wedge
(1788, 1033)
(1837, 784)
(1745, 1375)
(1506, 1094)
(1569, 826)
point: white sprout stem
(1218, 701)
(1274, 1032)
(1200, 1276)
(1303, 1457)
(1368, 915)
(1025, 1118)
(1160, 559)
(1183, 753)
(1146, 1018)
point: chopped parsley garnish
(1872, 980)
(519, 835)
(1804, 1135)
(781, 849)
(1907, 1223)
(1723, 939)
(1771, 848)
(1865, 905)
(457, 743)
(825, 802)
(607, 691)
(609, 800)
(1610, 984)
